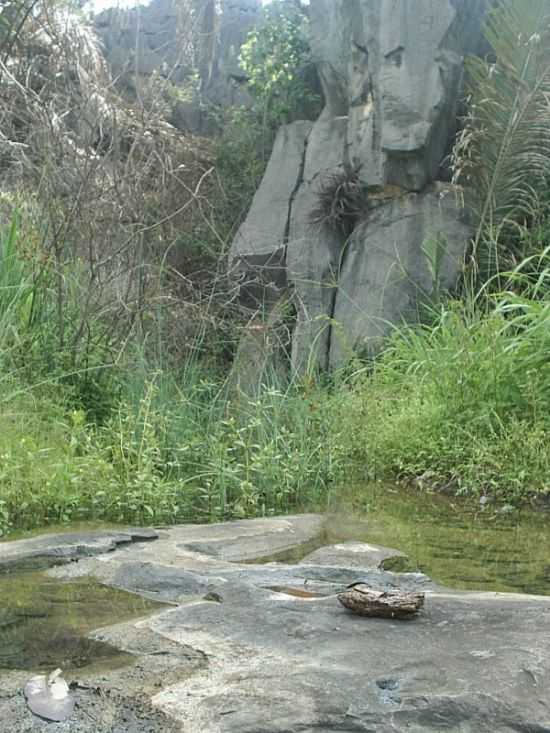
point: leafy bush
(277, 61)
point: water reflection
(44, 622)
(456, 543)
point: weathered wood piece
(365, 601)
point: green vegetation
(277, 61)
(172, 449)
(462, 403)
(502, 155)
(112, 410)
(132, 442)
(115, 407)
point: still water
(44, 622)
(459, 544)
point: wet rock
(47, 550)
(269, 661)
(352, 555)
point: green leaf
(502, 156)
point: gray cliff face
(392, 77)
(161, 38)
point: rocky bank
(247, 647)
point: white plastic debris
(49, 697)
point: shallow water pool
(44, 622)
(459, 544)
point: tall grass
(463, 403)
(151, 443)
(170, 446)
(16, 289)
(171, 451)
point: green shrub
(277, 61)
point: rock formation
(248, 647)
(173, 38)
(392, 75)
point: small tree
(277, 61)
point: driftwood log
(365, 601)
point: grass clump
(462, 403)
(342, 201)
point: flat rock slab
(177, 584)
(46, 550)
(251, 539)
(353, 555)
(260, 657)
(471, 663)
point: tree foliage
(277, 61)
(503, 154)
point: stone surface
(468, 663)
(258, 251)
(169, 39)
(63, 547)
(352, 555)
(262, 354)
(395, 69)
(252, 656)
(144, 40)
(384, 273)
(391, 74)
(221, 73)
(314, 251)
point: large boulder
(391, 75)
(385, 273)
(258, 252)
(395, 69)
